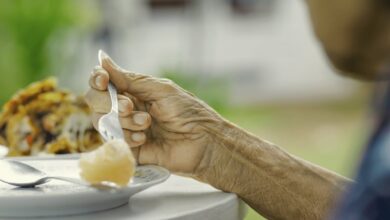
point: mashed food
(113, 162)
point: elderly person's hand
(167, 126)
(162, 123)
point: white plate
(57, 198)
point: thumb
(143, 87)
(116, 74)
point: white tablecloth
(177, 198)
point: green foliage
(27, 28)
(211, 89)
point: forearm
(273, 182)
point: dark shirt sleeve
(369, 197)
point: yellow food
(113, 162)
(42, 119)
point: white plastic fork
(108, 125)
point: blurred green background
(32, 38)
(35, 37)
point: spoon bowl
(20, 174)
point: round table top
(177, 198)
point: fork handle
(114, 97)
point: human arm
(275, 183)
(189, 138)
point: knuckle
(168, 85)
(129, 74)
(166, 81)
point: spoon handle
(104, 186)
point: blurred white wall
(269, 57)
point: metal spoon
(22, 175)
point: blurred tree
(26, 29)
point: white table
(177, 198)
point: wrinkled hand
(167, 126)
(163, 124)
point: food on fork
(112, 162)
(42, 119)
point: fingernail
(123, 105)
(97, 68)
(102, 55)
(137, 137)
(140, 118)
(99, 81)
